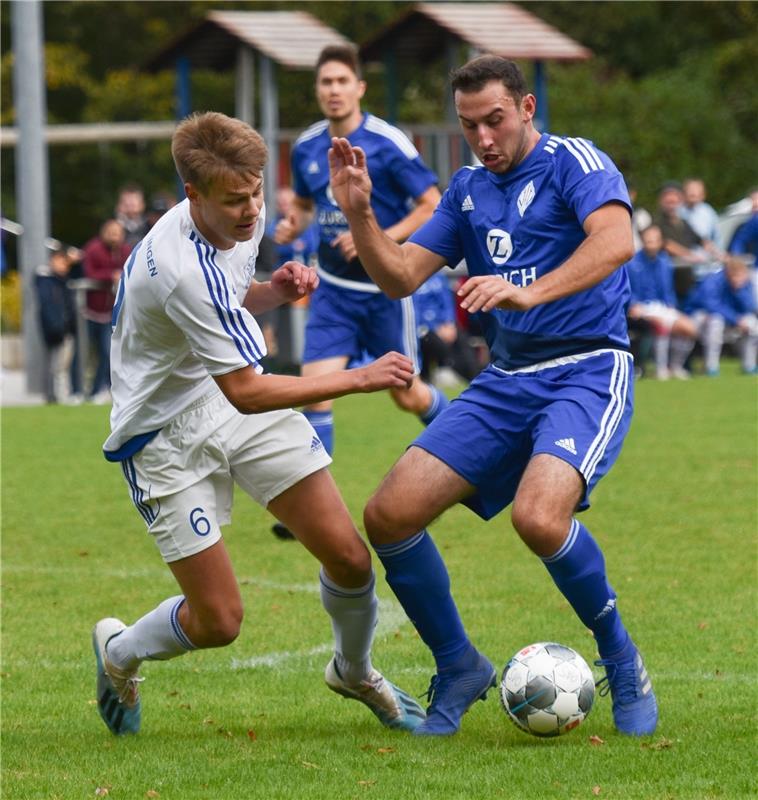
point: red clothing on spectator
(101, 263)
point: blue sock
(439, 404)
(578, 569)
(323, 424)
(417, 575)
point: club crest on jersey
(249, 270)
(525, 198)
(499, 245)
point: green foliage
(677, 521)
(670, 92)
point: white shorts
(182, 481)
(659, 312)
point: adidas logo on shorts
(316, 445)
(567, 444)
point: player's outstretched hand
(485, 292)
(294, 280)
(348, 176)
(391, 371)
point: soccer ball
(547, 689)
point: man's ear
(192, 192)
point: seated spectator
(745, 239)
(57, 316)
(698, 214)
(104, 258)
(130, 212)
(443, 345)
(651, 279)
(725, 302)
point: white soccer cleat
(393, 707)
(117, 689)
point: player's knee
(221, 626)
(384, 523)
(350, 564)
(538, 527)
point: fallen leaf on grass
(208, 721)
(702, 626)
(309, 765)
(102, 791)
(366, 783)
(596, 790)
(151, 793)
(596, 740)
(251, 734)
(662, 744)
(385, 750)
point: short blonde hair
(208, 146)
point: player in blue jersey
(349, 315)
(544, 224)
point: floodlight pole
(32, 192)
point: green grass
(676, 519)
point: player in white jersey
(193, 414)
(544, 225)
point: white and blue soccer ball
(547, 689)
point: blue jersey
(433, 303)
(651, 279)
(523, 224)
(397, 173)
(716, 295)
(745, 240)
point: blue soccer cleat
(635, 709)
(117, 689)
(393, 707)
(453, 691)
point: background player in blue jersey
(349, 315)
(544, 225)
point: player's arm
(398, 269)
(251, 393)
(292, 281)
(607, 246)
(299, 218)
(422, 211)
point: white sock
(354, 615)
(158, 635)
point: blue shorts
(577, 408)
(345, 322)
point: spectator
(680, 241)
(745, 239)
(651, 279)
(442, 343)
(160, 203)
(725, 302)
(57, 316)
(700, 216)
(130, 212)
(104, 258)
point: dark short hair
(475, 74)
(344, 53)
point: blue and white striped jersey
(523, 224)
(397, 172)
(177, 320)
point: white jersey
(177, 320)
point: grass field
(677, 521)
